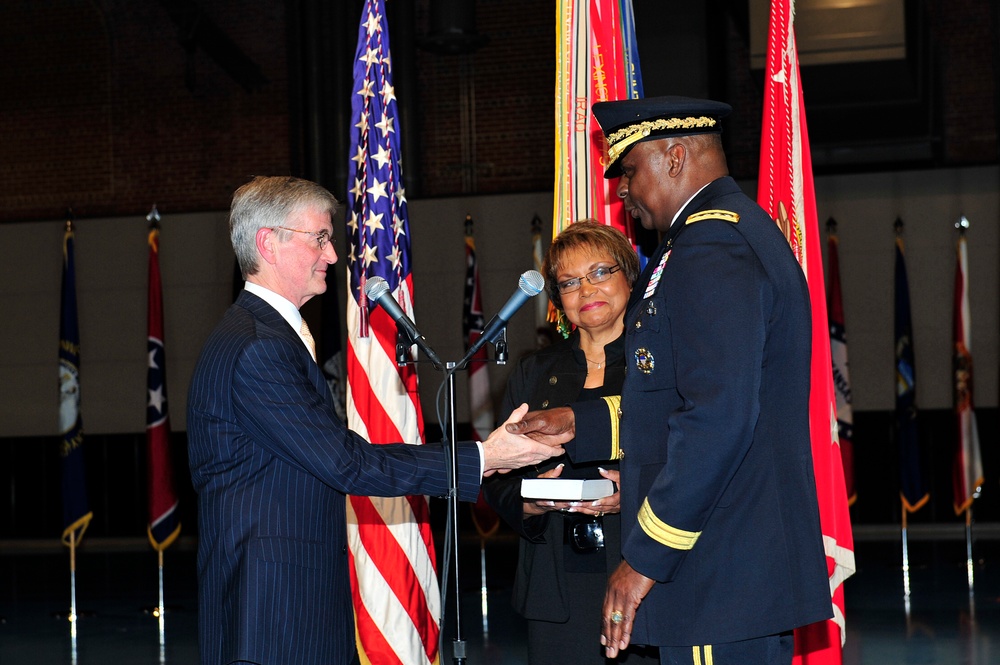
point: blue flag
(76, 511)
(913, 483)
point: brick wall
(105, 111)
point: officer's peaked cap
(630, 121)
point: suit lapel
(270, 317)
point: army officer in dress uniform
(721, 544)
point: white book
(566, 489)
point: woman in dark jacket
(568, 549)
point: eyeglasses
(322, 237)
(593, 277)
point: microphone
(528, 286)
(377, 289)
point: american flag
(164, 522)
(786, 192)
(393, 568)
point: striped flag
(395, 589)
(596, 60)
(76, 511)
(914, 491)
(838, 352)
(480, 402)
(967, 473)
(786, 192)
(164, 521)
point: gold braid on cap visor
(620, 140)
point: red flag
(967, 473)
(841, 374)
(786, 191)
(480, 402)
(397, 601)
(164, 522)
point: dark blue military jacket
(712, 433)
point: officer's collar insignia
(724, 215)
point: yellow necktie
(310, 342)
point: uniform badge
(644, 360)
(654, 279)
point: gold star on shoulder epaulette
(724, 215)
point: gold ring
(617, 616)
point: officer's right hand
(553, 427)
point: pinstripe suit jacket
(271, 464)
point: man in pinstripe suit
(272, 463)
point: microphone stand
(403, 343)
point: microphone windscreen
(531, 282)
(376, 287)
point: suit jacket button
(343, 550)
(621, 454)
(545, 404)
(553, 380)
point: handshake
(525, 439)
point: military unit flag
(395, 589)
(76, 510)
(596, 60)
(967, 472)
(164, 520)
(786, 192)
(913, 487)
(838, 353)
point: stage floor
(117, 589)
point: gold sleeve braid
(663, 533)
(614, 417)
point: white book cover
(566, 489)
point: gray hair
(267, 202)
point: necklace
(597, 365)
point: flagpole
(160, 610)
(906, 560)
(483, 591)
(72, 596)
(969, 567)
